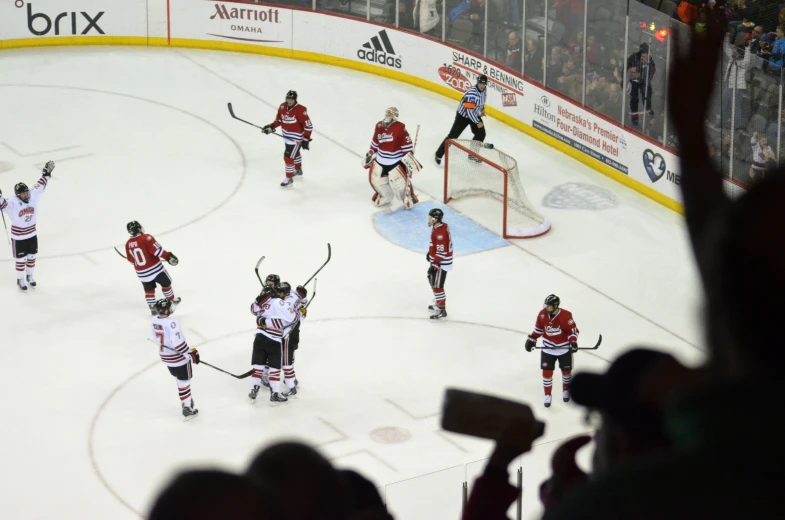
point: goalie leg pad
(402, 184)
(411, 163)
(381, 185)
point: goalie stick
(595, 347)
(409, 188)
(329, 255)
(231, 112)
(202, 362)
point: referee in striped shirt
(469, 113)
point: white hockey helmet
(390, 115)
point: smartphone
(483, 416)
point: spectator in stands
(766, 42)
(613, 104)
(640, 71)
(570, 13)
(426, 17)
(513, 58)
(594, 51)
(627, 403)
(778, 48)
(575, 45)
(777, 126)
(405, 18)
(364, 500)
(571, 80)
(735, 83)
(763, 158)
(477, 16)
(533, 60)
(755, 40)
(553, 69)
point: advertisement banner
(654, 167)
(266, 25)
(54, 18)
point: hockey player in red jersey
(146, 253)
(296, 129)
(440, 257)
(560, 341)
(391, 162)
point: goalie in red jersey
(391, 162)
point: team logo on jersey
(552, 331)
(439, 237)
(384, 137)
(379, 49)
(27, 211)
(454, 78)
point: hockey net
(473, 169)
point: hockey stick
(595, 347)
(118, 252)
(231, 112)
(241, 376)
(5, 227)
(256, 270)
(314, 294)
(329, 255)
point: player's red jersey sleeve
(405, 140)
(539, 326)
(278, 117)
(305, 122)
(568, 326)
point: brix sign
(77, 23)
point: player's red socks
(566, 379)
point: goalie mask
(390, 116)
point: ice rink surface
(91, 423)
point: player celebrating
(274, 319)
(299, 299)
(23, 211)
(440, 257)
(175, 353)
(560, 341)
(145, 253)
(391, 162)
(296, 129)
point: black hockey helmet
(436, 214)
(272, 278)
(163, 305)
(292, 94)
(284, 289)
(134, 228)
(552, 299)
(20, 188)
(482, 78)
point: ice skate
(299, 172)
(254, 393)
(287, 183)
(433, 307)
(290, 392)
(277, 397)
(21, 284)
(189, 412)
(440, 315)
(566, 396)
(30, 281)
(177, 300)
(548, 401)
(437, 159)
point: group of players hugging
(279, 309)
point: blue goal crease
(409, 229)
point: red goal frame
(504, 171)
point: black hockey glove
(261, 323)
(265, 295)
(573, 347)
(530, 344)
(431, 272)
(195, 357)
(268, 129)
(173, 260)
(302, 291)
(428, 257)
(306, 145)
(48, 168)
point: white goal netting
(472, 169)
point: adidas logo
(379, 49)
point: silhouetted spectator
(212, 495)
(735, 82)
(364, 500)
(640, 71)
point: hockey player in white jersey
(174, 352)
(23, 212)
(275, 316)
